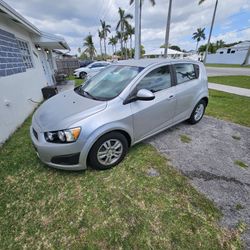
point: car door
(188, 85)
(152, 116)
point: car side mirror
(145, 95)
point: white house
(237, 54)
(158, 53)
(26, 66)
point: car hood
(62, 110)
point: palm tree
(105, 31)
(130, 32)
(100, 34)
(141, 1)
(89, 46)
(125, 38)
(119, 37)
(211, 28)
(198, 35)
(122, 23)
(220, 44)
(113, 42)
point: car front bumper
(76, 74)
(60, 156)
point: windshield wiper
(85, 93)
(88, 94)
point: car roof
(100, 62)
(152, 61)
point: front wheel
(198, 112)
(108, 151)
(83, 75)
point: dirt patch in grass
(120, 208)
(240, 164)
(185, 138)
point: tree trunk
(105, 52)
(210, 32)
(168, 29)
(197, 45)
(101, 46)
(126, 50)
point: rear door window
(157, 80)
(185, 72)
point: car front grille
(35, 133)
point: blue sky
(75, 19)
(235, 23)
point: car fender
(200, 96)
(95, 135)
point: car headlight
(63, 136)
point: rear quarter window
(186, 72)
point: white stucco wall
(236, 58)
(15, 90)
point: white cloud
(76, 18)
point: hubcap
(110, 152)
(199, 112)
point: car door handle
(170, 97)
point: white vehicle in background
(91, 69)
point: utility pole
(137, 28)
(210, 33)
(168, 29)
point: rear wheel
(82, 75)
(108, 151)
(198, 112)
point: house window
(228, 51)
(25, 52)
(11, 61)
(221, 52)
(232, 51)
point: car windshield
(109, 83)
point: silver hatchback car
(127, 102)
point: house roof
(160, 51)
(41, 38)
(18, 18)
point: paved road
(213, 71)
(229, 89)
(208, 160)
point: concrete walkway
(229, 89)
(67, 85)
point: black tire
(93, 160)
(82, 75)
(193, 118)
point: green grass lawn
(226, 65)
(123, 208)
(236, 81)
(77, 80)
(229, 107)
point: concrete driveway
(208, 160)
(213, 71)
